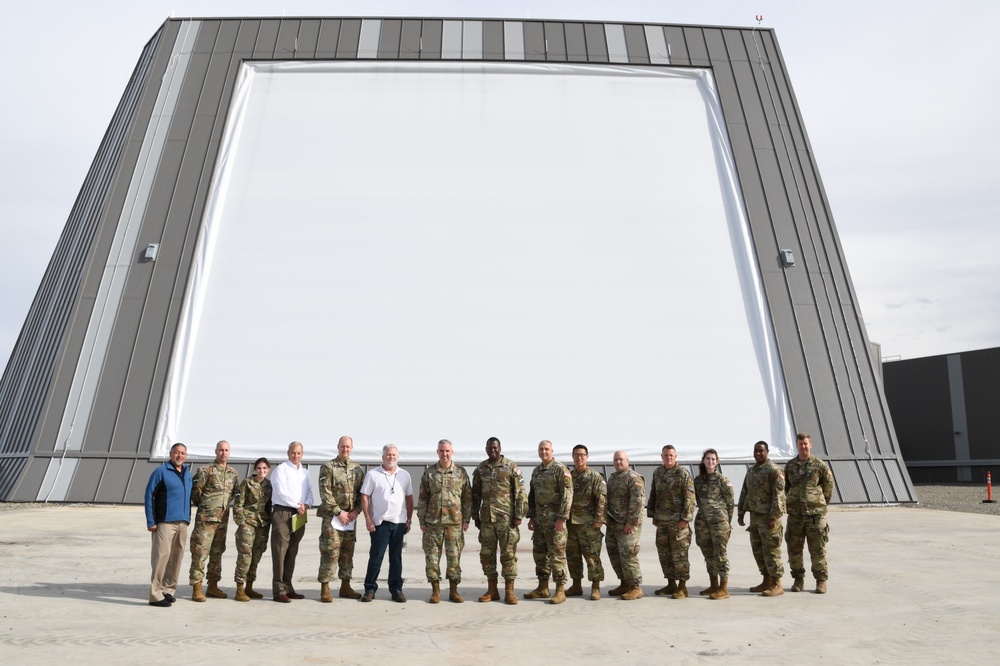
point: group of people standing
(565, 508)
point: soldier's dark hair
(766, 447)
(668, 446)
(261, 460)
(803, 435)
(581, 446)
(178, 444)
(701, 465)
(491, 440)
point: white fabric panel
(409, 251)
(656, 42)
(472, 40)
(617, 46)
(513, 40)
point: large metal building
(93, 390)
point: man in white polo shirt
(387, 502)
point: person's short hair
(178, 444)
(668, 446)
(766, 447)
(491, 440)
(294, 444)
(803, 435)
(261, 460)
(387, 447)
(581, 446)
(446, 441)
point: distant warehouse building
(947, 414)
(412, 229)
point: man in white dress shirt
(387, 502)
(291, 495)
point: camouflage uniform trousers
(766, 545)
(336, 548)
(449, 538)
(584, 544)
(623, 551)
(548, 547)
(208, 540)
(494, 536)
(815, 531)
(251, 542)
(672, 546)
(713, 538)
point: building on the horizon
(407, 229)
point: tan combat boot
(324, 593)
(722, 592)
(707, 592)
(798, 583)
(540, 592)
(667, 591)
(821, 587)
(764, 584)
(196, 593)
(214, 591)
(241, 594)
(595, 591)
(617, 591)
(435, 592)
(634, 592)
(559, 596)
(346, 591)
(509, 596)
(682, 590)
(250, 592)
(453, 595)
(576, 589)
(492, 594)
(775, 590)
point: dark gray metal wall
(829, 373)
(948, 411)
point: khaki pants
(169, 540)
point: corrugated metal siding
(823, 349)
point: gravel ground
(964, 497)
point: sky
(899, 99)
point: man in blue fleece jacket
(168, 512)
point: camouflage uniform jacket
(551, 493)
(212, 491)
(763, 491)
(671, 498)
(340, 487)
(445, 496)
(590, 496)
(498, 491)
(252, 503)
(808, 486)
(715, 498)
(626, 494)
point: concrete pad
(907, 586)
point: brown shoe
(682, 591)
(346, 591)
(576, 589)
(713, 586)
(399, 598)
(617, 591)
(241, 594)
(821, 587)
(559, 596)
(775, 590)
(196, 593)
(367, 596)
(509, 596)
(214, 591)
(453, 595)
(492, 593)
(723, 590)
(324, 593)
(282, 599)
(435, 592)
(540, 592)
(634, 592)
(294, 595)
(764, 584)
(798, 583)
(252, 593)
(667, 591)
(595, 591)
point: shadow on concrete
(110, 593)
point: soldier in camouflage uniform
(626, 494)
(340, 504)
(587, 514)
(713, 524)
(763, 495)
(498, 506)
(671, 506)
(808, 491)
(252, 515)
(549, 502)
(444, 511)
(212, 492)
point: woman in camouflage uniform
(252, 513)
(712, 526)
